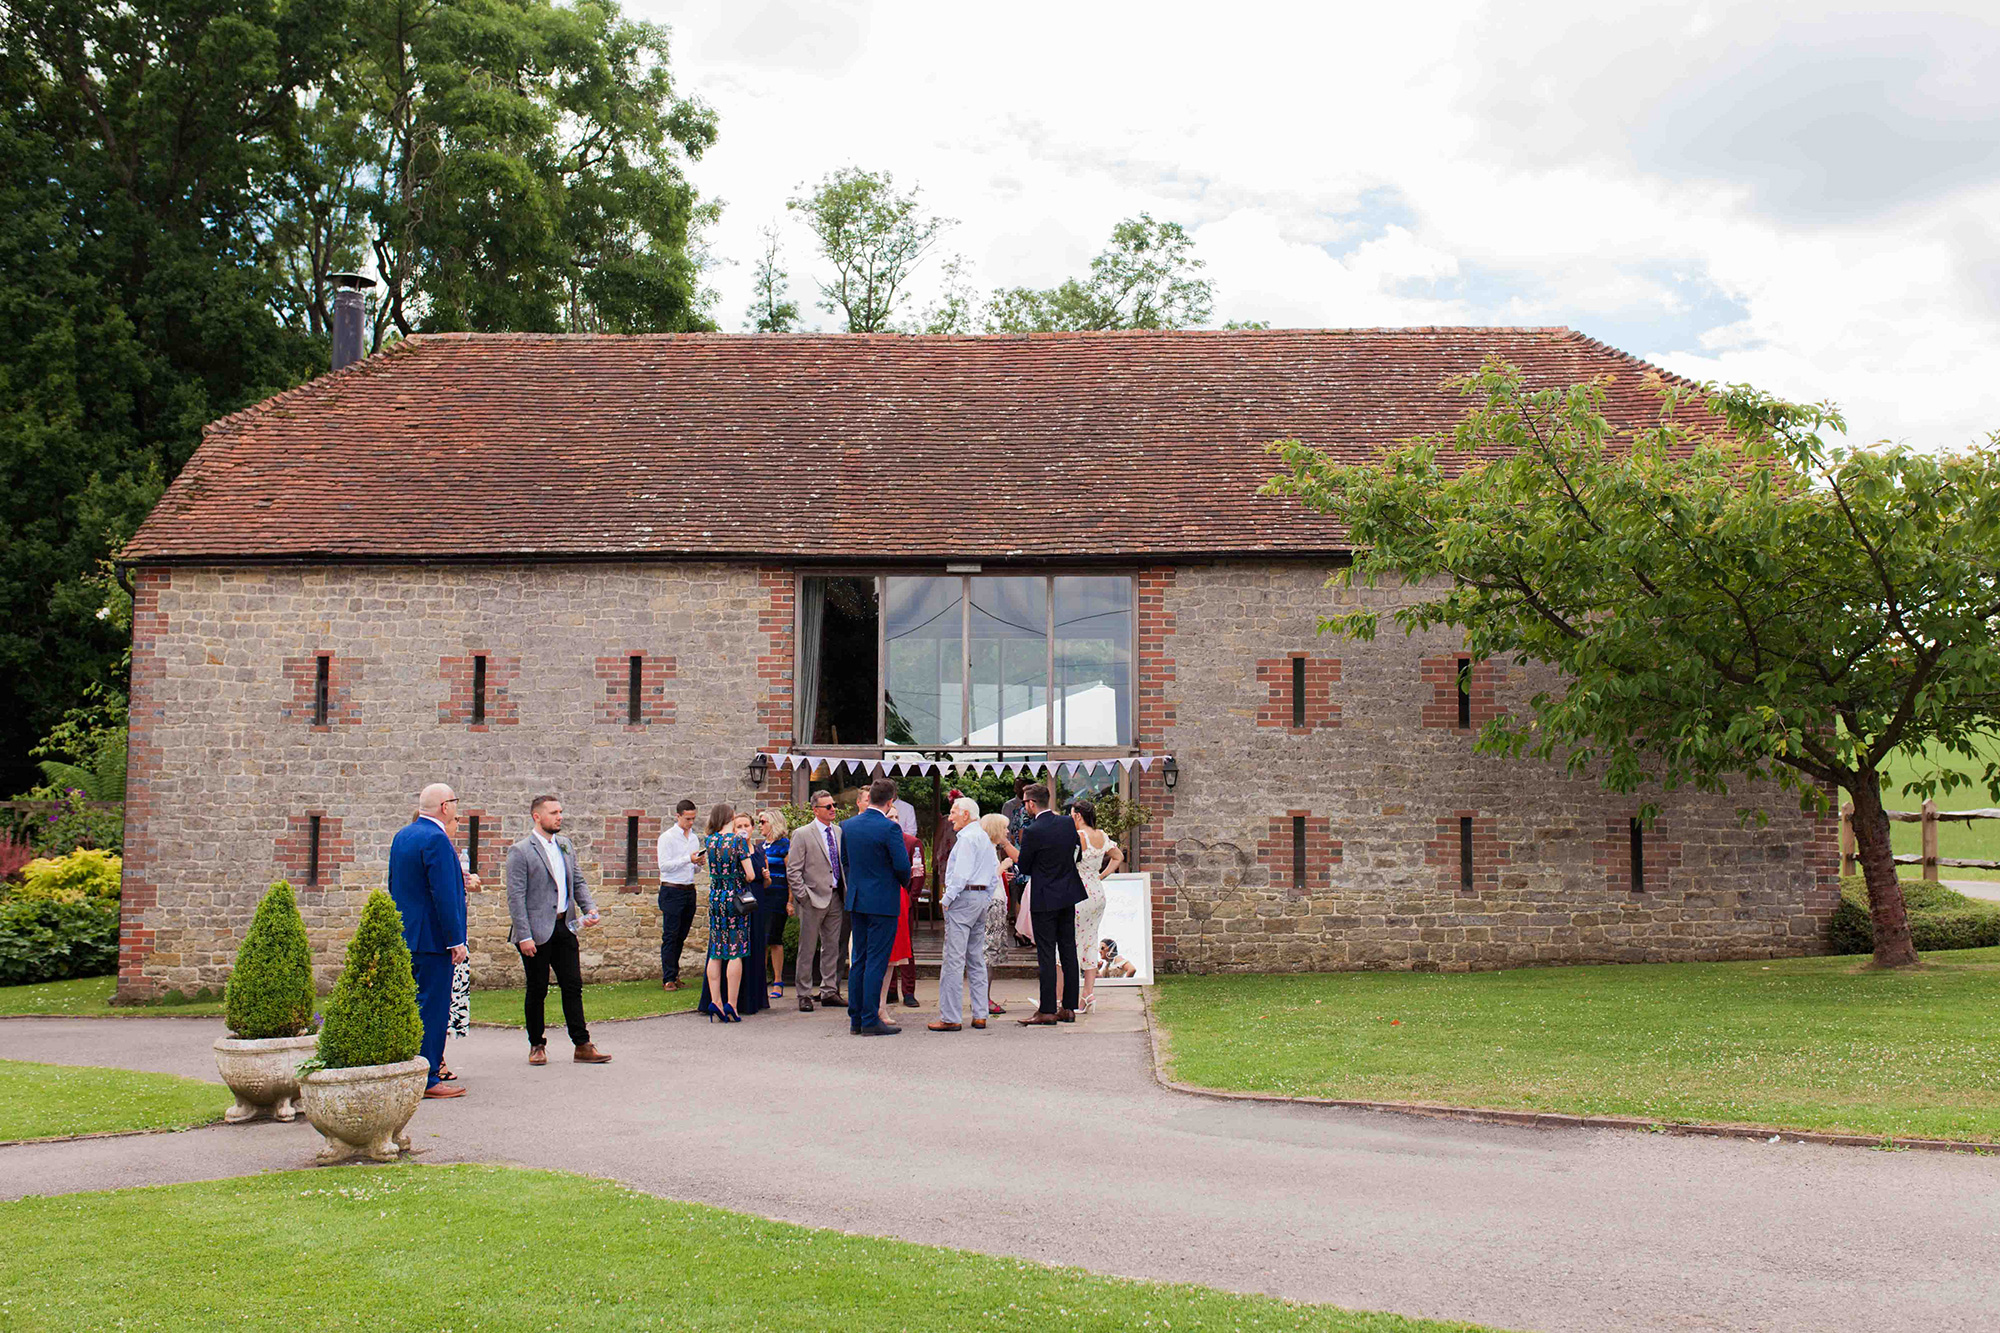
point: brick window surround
(502, 708)
(1442, 675)
(1277, 853)
(1614, 855)
(342, 674)
(611, 860)
(774, 664)
(615, 708)
(1281, 709)
(493, 846)
(1489, 854)
(1154, 727)
(294, 850)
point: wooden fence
(1928, 816)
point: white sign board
(1128, 924)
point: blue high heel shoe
(729, 1014)
(711, 1011)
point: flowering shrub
(70, 824)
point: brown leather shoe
(588, 1054)
(979, 1023)
(439, 1091)
(833, 999)
(941, 1026)
(670, 985)
(805, 1004)
(538, 1055)
(1040, 1020)
(1065, 1015)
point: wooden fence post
(1930, 840)
(1847, 838)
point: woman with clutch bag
(730, 872)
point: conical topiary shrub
(372, 1017)
(270, 991)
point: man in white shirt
(970, 876)
(547, 903)
(680, 852)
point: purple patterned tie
(832, 857)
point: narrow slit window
(1298, 852)
(631, 849)
(322, 670)
(632, 713)
(479, 690)
(312, 850)
(472, 843)
(1464, 694)
(1638, 858)
(1465, 853)
(1298, 691)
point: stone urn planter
(365, 1108)
(263, 1073)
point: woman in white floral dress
(1100, 857)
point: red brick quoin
(1154, 735)
(1489, 854)
(1442, 710)
(1274, 852)
(294, 850)
(502, 709)
(342, 674)
(774, 664)
(1322, 674)
(140, 892)
(1614, 854)
(615, 708)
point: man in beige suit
(812, 869)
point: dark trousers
(676, 918)
(874, 935)
(559, 952)
(1055, 934)
(433, 974)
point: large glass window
(1008, 646)
(923, 625)
(1093, 661)
(839, 629)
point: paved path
(1058, 1146)
(1988, 889)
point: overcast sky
(1806, 197)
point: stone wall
(227, 768)
(1384, 791)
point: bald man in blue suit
(876, 870)
(428, 885)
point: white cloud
(1796, 195)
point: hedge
(43, 939)
(1940, 918)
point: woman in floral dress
(998, 933)
(730, 868)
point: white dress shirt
(553, 855)
(905, 815)
(973, 864)
(678, 850)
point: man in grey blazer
(812, 871)
(547, 901)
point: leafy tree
(1146, 278)
(958, 308)
(874, 237)
(771, 308)
(270, 990)
(371, 1018)
(1745, 601)
(132, 307)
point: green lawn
(469, 1247)
(1978, 840)
(1809, 1043)
(90, 996)
(611, 999)
(48, 1101)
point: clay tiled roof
(478, 446)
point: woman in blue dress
(775, 906)
(730, 870)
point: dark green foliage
(791, 941)
(46, 940)
(270, 991)
(372, 1018)
(1940, 918)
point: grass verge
(1805, 1043)
(50, 1101)
(90, 997)
(601, 1003)
(305, 1249)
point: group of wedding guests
(1021, 874)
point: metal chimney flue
(350, 318)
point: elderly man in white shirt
(970, 877)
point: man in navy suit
(875, 869)
(429, 889)
(1049, 850)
